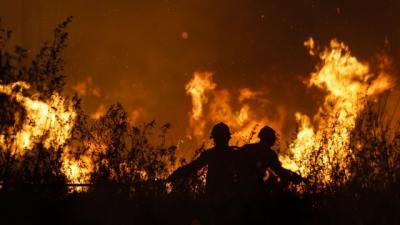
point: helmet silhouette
(267, 133)
(220, 130)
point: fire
(325, 148)
(211, 105)
(198, 89)
(49, 122)
(321, 146)
(101, 110)
(77, 171)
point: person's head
(267, 136)
(221, 134)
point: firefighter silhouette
(255, 194)
(220, 179)
(259, 157)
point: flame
(325, 149)
(101, 111)
(87, 88)
(211, 105)
(77, 171)
(49, 122)
(198, 88)
(242, 122)
(310, 44)
(322, 143)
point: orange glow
(322, 141)
(77, 171)
(198, 89)
(101, 110)
(50, 122)
(347, 82)
(211, 105)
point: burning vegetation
(46, 138)
(323, 152)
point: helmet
(267, 133)
(220, 130)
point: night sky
(142, 53)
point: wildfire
(321, 147)
(49, 122)
(198, 88)
(325, 148)
(77, 171)
(79, 168)
(211, 105)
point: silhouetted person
(255, 160)
(220, 179)
(259, 157)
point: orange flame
(77, 171)
(347, 82)
(198, 89)
(210, 106)
(51, 121)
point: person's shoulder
(271, 153)
(208, 151)
(249, 146)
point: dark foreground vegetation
(126, 185)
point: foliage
(134, 160)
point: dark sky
(134, 52)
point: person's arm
(285, 174)
(187, 170)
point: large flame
(49, 122)
(198, 88)
(211, 105)
(326, 151)
(321, 147)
